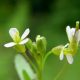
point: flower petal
(73, 31)
(22, 65)
(11, 44)
(69, 58)
(24, 41)
(14, 33)
(70, 32)
(25, 34)
(61, 55)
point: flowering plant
(31, 60)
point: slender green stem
(40, 68)
(45, 58)
(41, 65)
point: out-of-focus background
(48, 18)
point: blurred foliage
(47, 18)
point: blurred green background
(48, 18)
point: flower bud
(31, 47)
(29, 44)
(34, 48)
(41, 44)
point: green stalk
(45, 58)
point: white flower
(69, 56)
(73, 34)
(14, 33)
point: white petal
(24, 41)
(22, 65)
(61, 55)
(70, 32)
(14, 33)
(69, 58)
(11, 44)
(25, 34)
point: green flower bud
(41, 44)
(29, 44)
(31, 47)
(34, 48)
